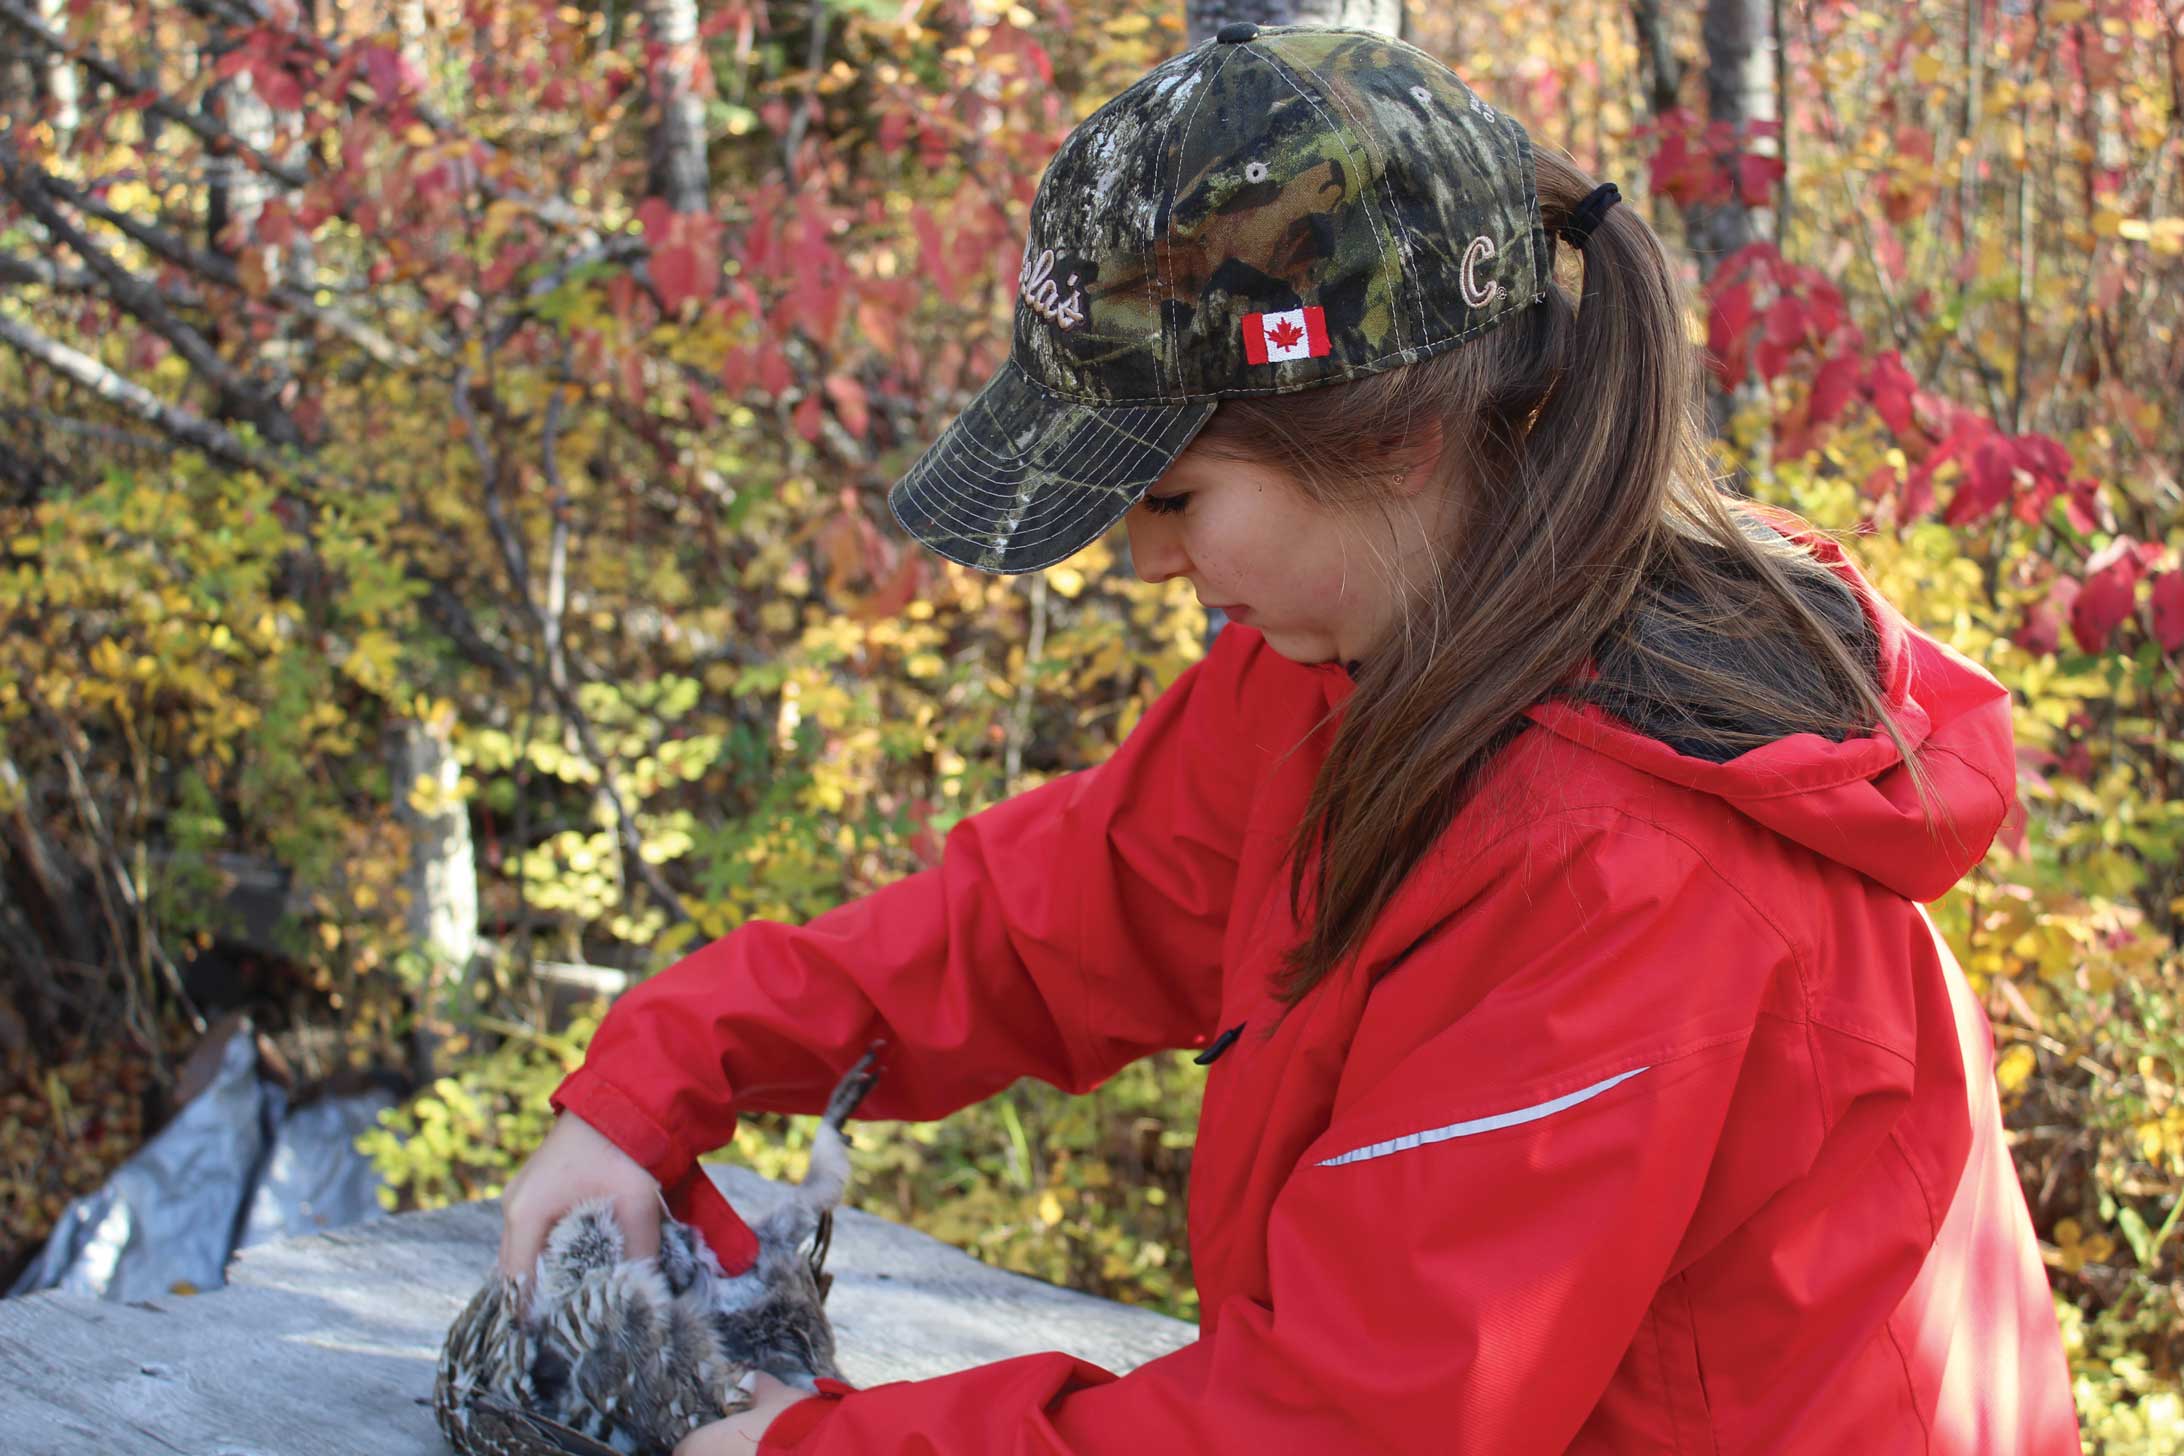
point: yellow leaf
(1050, 1209)
(2016, 1066)
(1927, 67)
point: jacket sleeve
(1460, 1261)
(1065, 932)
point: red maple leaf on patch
(1284, 335)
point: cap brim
(1024, 478)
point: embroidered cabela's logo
(1035, 282)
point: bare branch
(514, 559)
(213, 267)
(215, 135)
(126, 394)
(39, 272)
(88, 429)
(143, 300)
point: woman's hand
(576, 1162)
(738, 1434)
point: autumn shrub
(369, 380)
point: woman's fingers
(639, 1216)
(575, 1162)
(738, 1435)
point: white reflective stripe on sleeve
(1479, 1124)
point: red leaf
(849, 402)
(2111, 581)
(736, 372)
(1985, 484)
(2042, 631)
(1890, 386)
(1833, 386)
(676, 274)
(275, 226)
(389, 73)
(1284, 335)
(1786, 321)
(773, 369)
(806, 418)
(894, 126)
(896, 590)
(658, 218)
(2168, 610)
(622, 296)
(1728, 325)
(1756, 177)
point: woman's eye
(1166, 505)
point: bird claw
(855, 1083)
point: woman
(1538, 857)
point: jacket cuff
(797, 1422)
(622, 1122)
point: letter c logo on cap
(1481, 248)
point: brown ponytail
(1586, 523)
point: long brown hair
(1587, 525)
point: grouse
(624, 1357)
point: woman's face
(1321, 584)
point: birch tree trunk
(677, 150)
(57, 76)
(442, 879)
(1743, 86)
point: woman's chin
(1307, 649)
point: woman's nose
(1156, 549)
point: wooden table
(324, 1346)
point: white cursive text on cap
(1036, 283)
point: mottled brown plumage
(596, 1353)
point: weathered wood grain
(325, 1345)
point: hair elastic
(1588, 213)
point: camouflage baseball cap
(1278, 208)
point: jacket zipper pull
(1221, 1044)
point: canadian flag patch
(1297, 333)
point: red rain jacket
(1657, 1117)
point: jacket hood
(1851, 801)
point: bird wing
(504, 1430)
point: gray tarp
(235, 1167)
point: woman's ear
(1418, 456)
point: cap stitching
(1116, 437)
(957, 470)
(1410, 248)
(1066, 522)
(1048, 528)
(1119, 436)
(1122, 428)
(1365, 194)
(1160, 314)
